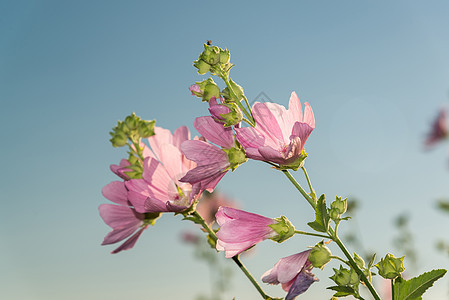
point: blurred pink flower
(279, 135)
(210, 203)
(159, 189)
(123, 219)
(293, 273)
(212, 162)
(439, 130)
(240, 230)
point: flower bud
(145, 128)
(205, 89)
(227, 113)
(202, 66)
(131, 121)
(211, 54)
(354, 278)
(390, 267)
(284, 228)
(224, 56)
(359, 261)
(119, 139)
(334, 214)
(342, 277)
(339, 205)
(320, 255)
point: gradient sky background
(375, 74)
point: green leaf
(414, 288)
(342, 291)
(321, 222)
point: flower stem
(312, 191)
(340, 259)
(312, 234)
(202, 222)
(353, 264)
(299, 188)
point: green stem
(354, 264)
(299, 188)
(392, 289)
(312, 234)
(312, 191)
(340, 259)
(236, 259)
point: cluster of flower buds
(338, 207)
(213, 59)
(132, 128)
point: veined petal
(290, 266)
(309, 118)
(270, 154)
(301, 284)
(204, 172)
(203, 153)
(301, 130)
(171, 158)
(214, 132)
(119, 216)
(156, 175)
(249, 137)
(129, 243)
(180, 135)
(116, 192)
(161, 137)
(294, 109)
(267, 122)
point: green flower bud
(359, 261)
(224, 56)
(390, 267)
(320, 255)
(131, 121)
(211, 90)
(236, 156)
(334, 214)
(202, 66)
(340, 205)
(145, 128)
(284, 228)
(210, 55)
(354, 278)
(119, 139)
(342, 277)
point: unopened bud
(284, 228)
(342, 277)
(202, 66)
(390, 267)
(340, 205)
(320, 255)
(145, 128)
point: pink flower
(210, 203)
(439, 129)
(159, 189)
(240, 230)
(293, 273)
(218, 109)
(123, 219)
(212, 162)
(279, 135)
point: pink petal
(270, 154)
(249, 137)
(117, 216)
(180, 135)
(301, 130)
(129, 243)
(202, 153)
(214, 131)
(156, 175)
(267, 122)
(294, 108)
(171, 158)
(162, 136)
(201, 173)
(116, 192)
(309, 118)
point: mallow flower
(123, 218)
(159, 189)
(240, 230)
(293, 273)
(280, 134)
(212, 162)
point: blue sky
(375, 74)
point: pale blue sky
(375, 74)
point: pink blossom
(439, 129)
(218, 109)
(212, 162)
(195, 88)
(123, 219)
(293, 273)
(210, 203)
(159, 189)
(240, 230)
(279, 135)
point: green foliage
(414, 288)
(343, 291)
(321, 222)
